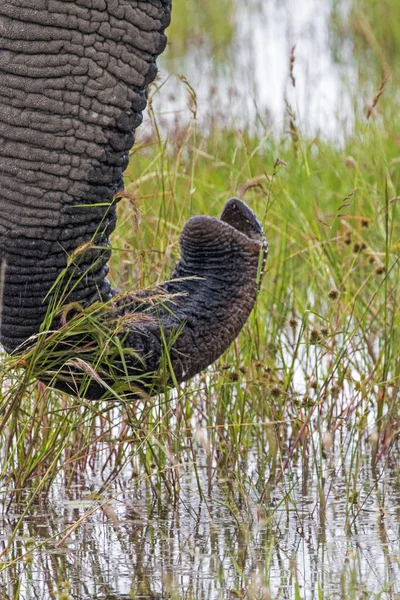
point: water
(316, 531)
(248, 86)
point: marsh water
(318, 534)
(244, 75)
(324, 524)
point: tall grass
(324, 332)
(309, 389)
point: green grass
(307, 395)
(318, 359)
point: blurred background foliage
(203, 23)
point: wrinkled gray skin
(73, 84)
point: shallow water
(249, 84)
(317, 532)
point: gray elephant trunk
(74, 78)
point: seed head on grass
(307, 402)
(293, 130)
(267, 375)
(292, 60)
(277, 164)
(378, 95)
(333, 294)
(380, 270)
(234, 376)
(347, 238)
(280, 163)
(359, 247)
(276, 392)
(350, 162)
(315, 336)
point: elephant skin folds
(74, 77)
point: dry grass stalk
(292, 60)
(378, 95)
(293, 130)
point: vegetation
(279, 454)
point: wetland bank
(275, 473)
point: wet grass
(314, 372)
(285, 447)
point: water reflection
(248, 83)
(318, 532)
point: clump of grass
(316, 216)
(316, 219)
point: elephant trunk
(74, 80)
(164, 336)
(209, 298)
